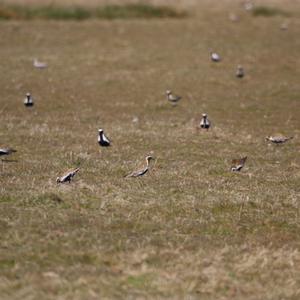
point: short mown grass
(55, 12)
(190, 228)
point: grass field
(189, 229)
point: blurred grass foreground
(53, 12)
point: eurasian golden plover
(240, 73)
(248, 5)
(279, 139)
(172, 98)
(215, 57)
(204, 123)
(67, 177)
(238, 164)
(39, 65)
(141, 171)
(28, 101)
(6, 151)
(102, 139)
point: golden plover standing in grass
(67, 177)
(172, 98)
(142, 171)
(248, 5)
(240, 73)
(39, 65)
(237, 164)
(284, 26)
(28, 101)
(279, 139)
(215, 56)
(204, 123)
(102, 139)
(233, 17)
(6, 151)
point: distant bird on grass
(284, 26)
(240, 73)
(67, 177)
(102, 139)
(215, 57)
(279, 139)
(141, 171)
(28, 101)
(6, 151)
(248, 5)
(238, 164)
(233, 17)
(204, 123)
(39, 65)
(172, 98)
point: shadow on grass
(52, 12)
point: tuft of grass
(265, 11)
(52, 12)
(132, 11)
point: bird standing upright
(204, 123)
(67, 177)
(28, 101)
(142, 171)
(240, 73)
(238, 164)
(172, 98)
(102, 139)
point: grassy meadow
(190, 228)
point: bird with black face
(240, 73)
(103, 139)
(204, 123)
(28, 101)
(67, 176)
(6, 151)
(238, 164)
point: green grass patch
(266, 11)
(52, 12)
(133, 11)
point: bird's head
(168, 92)
(27, 95)
(204, 115)
(100, 130)
(57, 180)
(149, 158)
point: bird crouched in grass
(172, 98)
(215, 57)
(39, 65)
(238, 164)
(102, 139)
(28, 101)
(6, 151)
(141, 171)
(204, 123)
(278, 139)
(67, 177)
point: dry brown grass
(189, 229)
